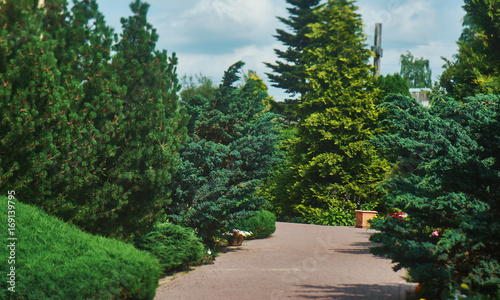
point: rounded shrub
(173, 245)
(54, 260)
(262, 224)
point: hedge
(175, 246)
(262, 224)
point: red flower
(398, 215)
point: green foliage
(54, 260)
(149, 136)
(197, 85)
(173, 245)
(290, 71)
(332, 162)
(476, 67)
(448, 185)
(416, 71)
(392, 84)
(262, 224)
(230, 150)
(333, 216)
(275, 185)
(485, 297)
(87, 136)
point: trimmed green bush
(173, 245)
(55, 260)
(262, 224)
(333, 216)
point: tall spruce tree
(333, 163)
(290, 74)
(231, 148)
(289, 71)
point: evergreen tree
(145, 148)
(80, 137)
(486, 15)
(32, 100)
(50, 157)
(332, 163)
(446, 193)
(231, 147)
(291, 71)
(416, 71)
(94, 112)
(476, 67)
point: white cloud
(422, 27)
(229, 19)
(406, 20)
(252, 55)
(214, 66)
(210, 35)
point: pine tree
(144, 150)
(32, 100)
(94, 111)
(82, 138)
(333, 163)
(44, 151)
(231, 147)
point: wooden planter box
(362, 217)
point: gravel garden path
(298, 261)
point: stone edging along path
(299, 261)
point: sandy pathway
(298, 261)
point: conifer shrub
(231, 149)
(262, 224)
(55, 260)
(173, 245)
(446, 193)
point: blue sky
(210, 35)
